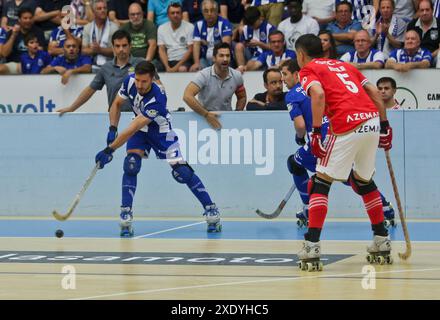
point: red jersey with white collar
(347, 105)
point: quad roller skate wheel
(310, 266)
(213, 228)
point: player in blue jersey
(300, 111)
(150, 129)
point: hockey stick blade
(280, 207)
(64, 217)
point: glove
(300, 141)
(112, 134)
(316, 143)
(386, 135)
(103, 157)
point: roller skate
(303, 217)
(388, 212)
(380, 251)
(212, 216)
(309, 257)
(125, 223)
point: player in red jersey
(358, 125)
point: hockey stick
(277, 212)
(407, 253)
(78, 197)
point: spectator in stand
(273, 57)
(344, 28)
(412, 56)
(254, 38)
(157, 11)
(389, 31)
(97, 36)
(364, 57)
(272, 10)
(192, 10)
(175, 41)
(361, 8)
(14, 46)
(70, 63)
(428, 27)
(436, 4)
(48, 14)
(273, 97)
(118, 11)
(406, 9)
(207, 33)
(323, 11)
(328, 44)
(387, 87)
(143, 34)
(11, 10)
(3, 38)
(59, 35)
(34, 60)
(297, 24)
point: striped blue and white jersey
(402, 56)
(212, 35)
(59, 35)
(152, 105)
(268, 58)
(261, 34)
(373, 56)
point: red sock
(373, 204)
(317, 210)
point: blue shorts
(305, 159)
(165, 149)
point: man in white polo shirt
(215, 86)
(175, 41)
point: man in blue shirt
(69, 63)
(411, 56)
(150, 129)
(344, 28)
(33, 61)
(300, 111)
(273, 57)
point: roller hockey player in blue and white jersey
(150, 129)
(300, 111)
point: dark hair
(274, 32)
(29, 36)
(25, 10)
(174, 5)
(121, 34)
(251, 15)
(333, 53)
(310, 44)
(266, 72)
(221, 45)
(291, 65)
(350, 6)
(387, 79)
(145, 67)
(287, 2)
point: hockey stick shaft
(280, 207)
(407, 253)
(77, 197)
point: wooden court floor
(418, 278)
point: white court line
(247, 282)
(163, 231)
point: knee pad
(294, 167)
(132, 164)
(318, 185)
(360, 187)
(182, 173)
